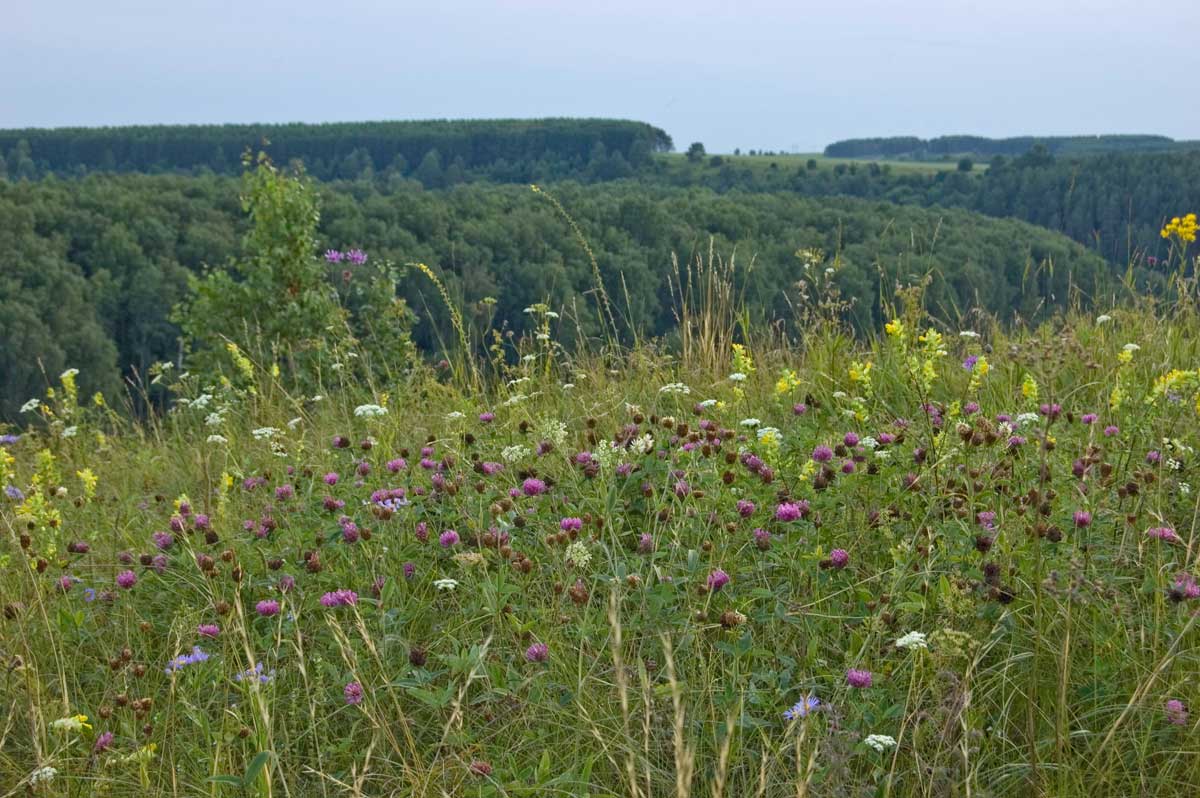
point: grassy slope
(1049, 660)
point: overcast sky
(750, 74)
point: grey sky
(753, 74)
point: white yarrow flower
(750, 422)
(31, 405)
(880, 742)
(912, 640)
(737, 376)
(264, 433)
(446, 583)
(370, 411)
(218, 439)
(1103, 318)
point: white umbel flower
(880, 742)
(912, 640)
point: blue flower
(14, 493)
(802, 707)
(256, 673)
(969, 363)
(183, 660)
(5, 440)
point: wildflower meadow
(952, 558)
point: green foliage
(516, 149)
(1021, 588)
(276, 300)
(135, 239)
(950, 146)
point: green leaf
(228, 781)
(255, 767)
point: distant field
(793, 160)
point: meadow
(937, 560)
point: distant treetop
(328, 150)
(915, 148)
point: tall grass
(1053, 646)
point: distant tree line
(91, 268)
(1115, 204)
(435, 152)
(946, 147)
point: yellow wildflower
(1185, 229)
(895, 329)
(89, 482)
(1029, 388)
(788, 382)
(75, 723)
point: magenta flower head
(717, 580)
(822, 454)
(533, 487)
(571, 524)
(799, 408)
(286, 583)
(126, 580)
(1089, 418)
(448, 538)
(163, 540)
(645, 543)
(538, 652)
(788, 511)
(850, 439)
(103, 742)
(1177, 713)
(353, 693)
(267, 608)
(356, 256)
(487, 418)
(339, 598)
(1163, 533)
(333, 256)
(858, 678)
(839, 558)
(331, 478)
(208, 630)
(762, 539)
(1082, 518)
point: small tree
(966, 165)
(696, 153)
(275, 302)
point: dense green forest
(1114, 204)
(982, 146)
(509, 150)
(92, 262)
(92, 268)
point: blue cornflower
(183, 660)
(89, 594)
(14, 493)
(256, 673)
(802, 707)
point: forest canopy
(93, 267)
